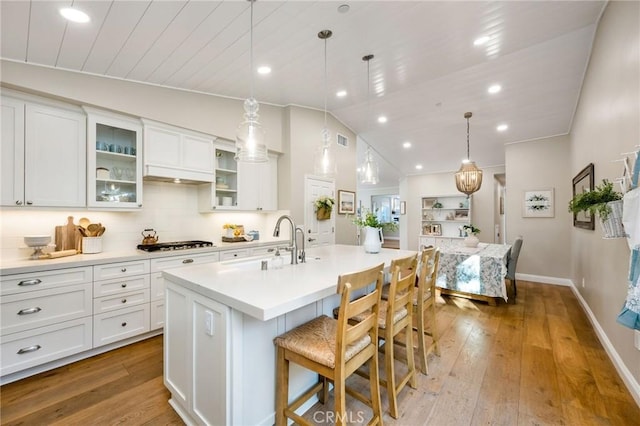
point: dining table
(474, 272)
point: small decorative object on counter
(255, 235)
(91, 245)
(324, 206)
(149, 238)
(373, 228)
(233, 233)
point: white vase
(373, 239)
(471, 241)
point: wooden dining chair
(395, 317)
(424, 306)
(335, 349)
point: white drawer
(163, 263)
(120, 285)
(118, 301)
(120, 270)
(38, 346)
(21, 283)
(157, 286)
(121, 324)
(234, 254)
(157, 314)
(20, 312)
(263, 251)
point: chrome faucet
(302, 256)
(293, 245)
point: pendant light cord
(468, 157)
(251, 48)
(325, 83)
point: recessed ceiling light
(418, 166)
(407, 145)
(480, 41)
(343, 8)
(382, 119)
(74, 15)
(341, 93)
(494, 89)
(502, 127)
(264, 70)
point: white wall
(606, 124)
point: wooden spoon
(84, 222)
(100, 231)
(93, 229)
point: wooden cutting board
(67, 236)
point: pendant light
(369, 169)
(250, 144)
(469, 177)
(325, 160)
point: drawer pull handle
(123, 270)
(187, 261)
(29, 349)
(29, 282)
(123, 285)
(124, 300)
(28, 311)
(124, 324)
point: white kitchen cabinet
(240, 186)
(43, 153)
(45, 316)
(175, 153)
(114, 163)
(120, 311)
(197, 356)
(157, 304)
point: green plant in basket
(324, 202)
(370, 219)
(595, 201)
(470, 229)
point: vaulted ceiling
(425, 75)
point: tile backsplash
(170, 209)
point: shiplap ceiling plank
(426, 72)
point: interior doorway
(387, 209)
(318, 232)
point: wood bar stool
(396, 314)
(334, 349)
(424, 305)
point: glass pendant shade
(325, 158)
(250, 136)
(369, 169)
(469, 177)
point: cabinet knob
(139, 205)
(213, 207)
(29, 202)
(124, 300)
(123, 270)
(259, 208)
(18, 202)
(123, 285)
(124, 324)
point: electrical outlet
(582, 282)
(208, 323)
(637, 339)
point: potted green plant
(324, 206)
(373, 228)
(605, 202)
(471, 240)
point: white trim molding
(545, 280)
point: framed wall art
(346, 202)
(583, 182)
(538, 203)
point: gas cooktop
(175, 245)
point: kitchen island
(221, 319)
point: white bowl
(37, 240)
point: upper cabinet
(43, 153)
(175, 153)
(240, 186)
(114, 166)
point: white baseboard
(628, 379)
(545, 280)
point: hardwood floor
(536, 362)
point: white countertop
(20, 266)
(268, 294)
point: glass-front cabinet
(114, 166)
(226, 185)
